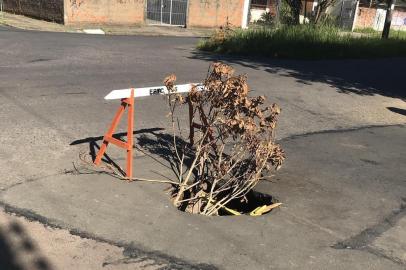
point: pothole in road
(254, 203)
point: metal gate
(170, 12)
(347, 13)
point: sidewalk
(27, 23)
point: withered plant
(232, 148)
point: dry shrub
(221, 34)
(233, 147)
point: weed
(305, 42)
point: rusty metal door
(167, 12)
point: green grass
(398, 34)
(367, 30)
(302, 42)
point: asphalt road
(343, 184)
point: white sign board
(151, 91)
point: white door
(379, 20)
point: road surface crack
(363, 240)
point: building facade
(190, 13)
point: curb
(98, 30)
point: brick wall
(104, 11)
(51, 10)
(214, 13)
(365, 17)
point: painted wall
(201, 13)
(104, 12)
(375, 18)
(365, 17)
(214, 13)
(50, 10)
(399, 20)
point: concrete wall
(214, 13)
(256, 13)
(399, 20)
(104, 11)
(51, 10)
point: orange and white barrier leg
(108, 137)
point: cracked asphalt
(343, 186)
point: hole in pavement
(254, 199)
(253, 204)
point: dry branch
(235, 146)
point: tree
(321, 8)
(295, 8)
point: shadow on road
(362, 77)
(161, 145)
(94, 147)
(116, 135)
(18, 251)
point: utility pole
(388, 19)
(305, 12)
(278, 12)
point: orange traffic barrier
(127, 100)
(108, 137)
